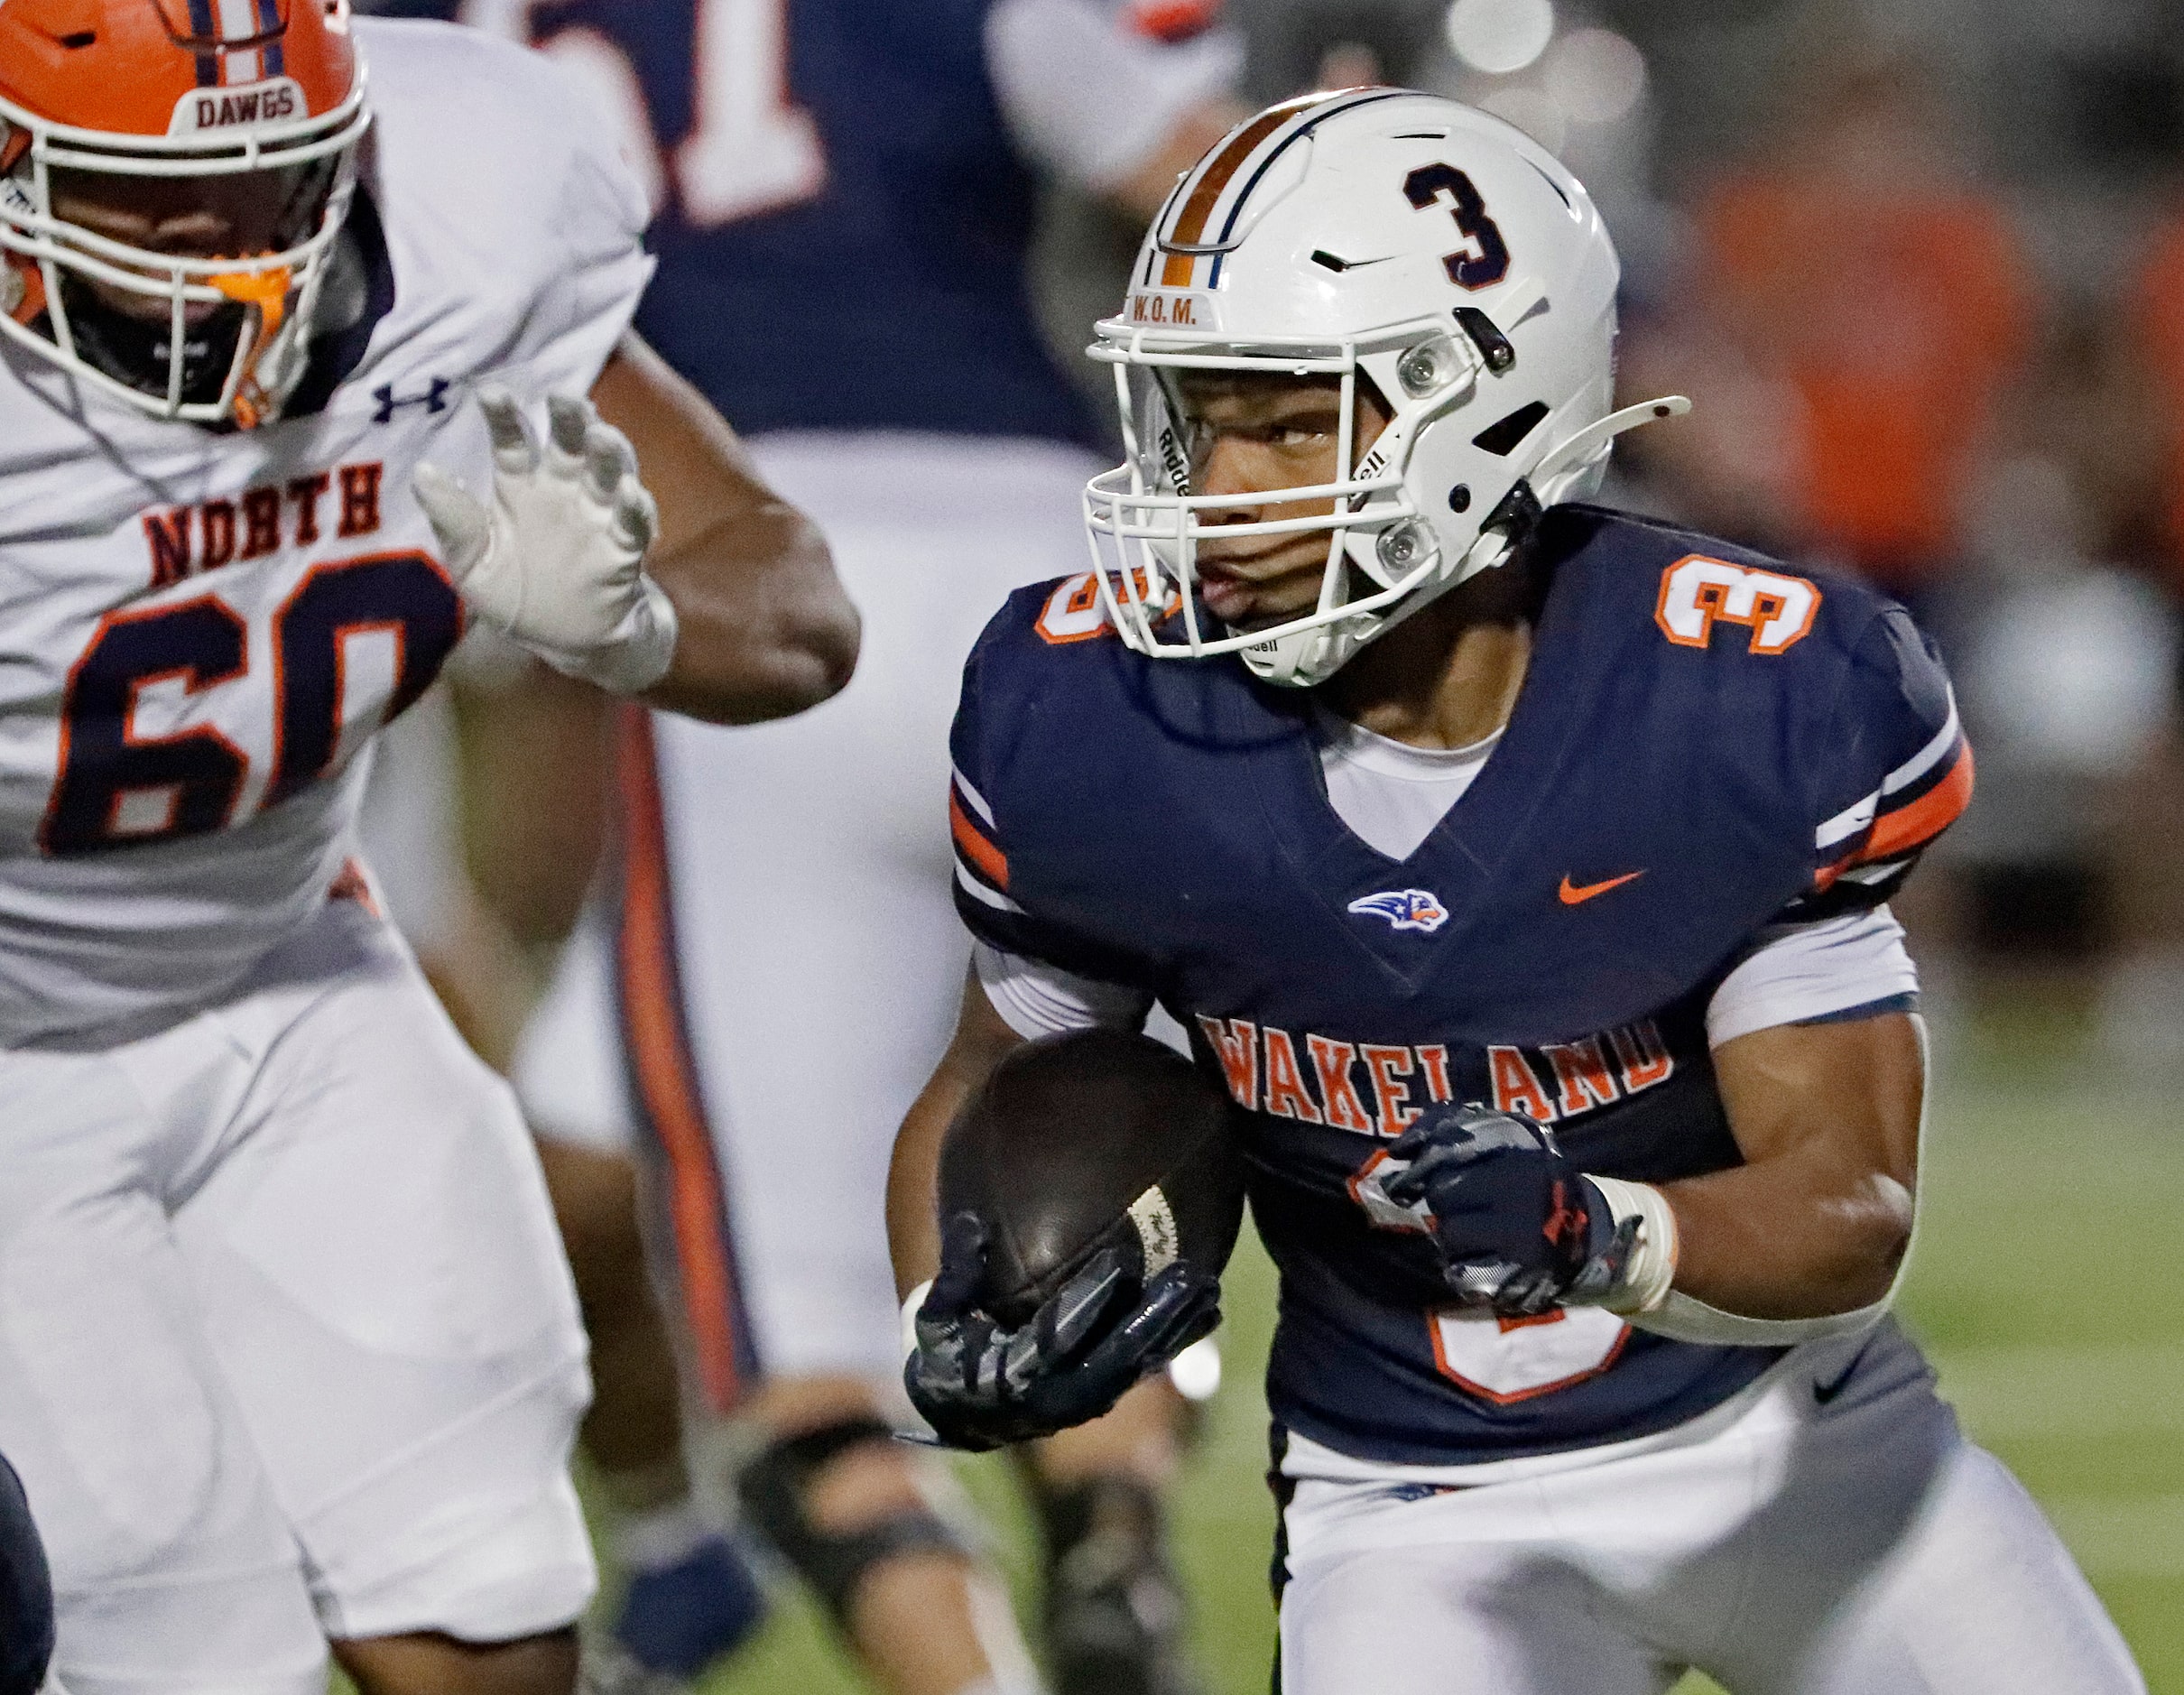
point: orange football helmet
(117, 112)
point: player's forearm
(1816, 1220)
(537, 759)
(1789, 1238)
(764, 629)
(913, 1230)
(913, 1226)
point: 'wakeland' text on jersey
(1705, 744)
(203, 630)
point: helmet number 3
(1485, 261)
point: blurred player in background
(1900, 349)
(1446, 808)
(2137, 442)
(291, 1355)
(845, 198)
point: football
(1097, 1139)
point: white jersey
(200, 632)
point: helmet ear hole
(1459, 497)
(1500, 436)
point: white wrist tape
(910, 1303)
(1652, 1261)
(1681, 1319)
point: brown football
(1102, 1138)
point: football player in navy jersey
(1519, 867)
(845, 192)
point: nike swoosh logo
(1576, 893)
(1823, 1393)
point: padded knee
(774, 1490)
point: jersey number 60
(117, 789)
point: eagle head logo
(1405, 908)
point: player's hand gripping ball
(1089, 1195)
(982, 1384)
(557, 561)
(1519, 1230)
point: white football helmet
(1435, 250)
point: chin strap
(267, 290)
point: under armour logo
(1405, 908)
(434, 399)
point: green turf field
(2049, 1284)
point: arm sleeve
(1091, 89)
(1897, 771)
(1035, 999)
(1849, 966)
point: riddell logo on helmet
(275, 101)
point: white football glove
(557, 562)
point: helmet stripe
(238, 26)
(1326, 109)
(269, 24)
(1190, 225)
(1218, 172)
(201, 31)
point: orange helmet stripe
(1190, 225)
(1215, 173)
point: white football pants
(288, 1348)
(1783, 1545)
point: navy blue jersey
(1705, 743)
(843, 241)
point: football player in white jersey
(288, 1353)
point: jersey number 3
(119, 789)
(1696, 593)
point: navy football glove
(1519, 1228)
(982, 1386)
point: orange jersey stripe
(979, 851)
(1925, 817)
(666, 1080)
(1899, 833)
